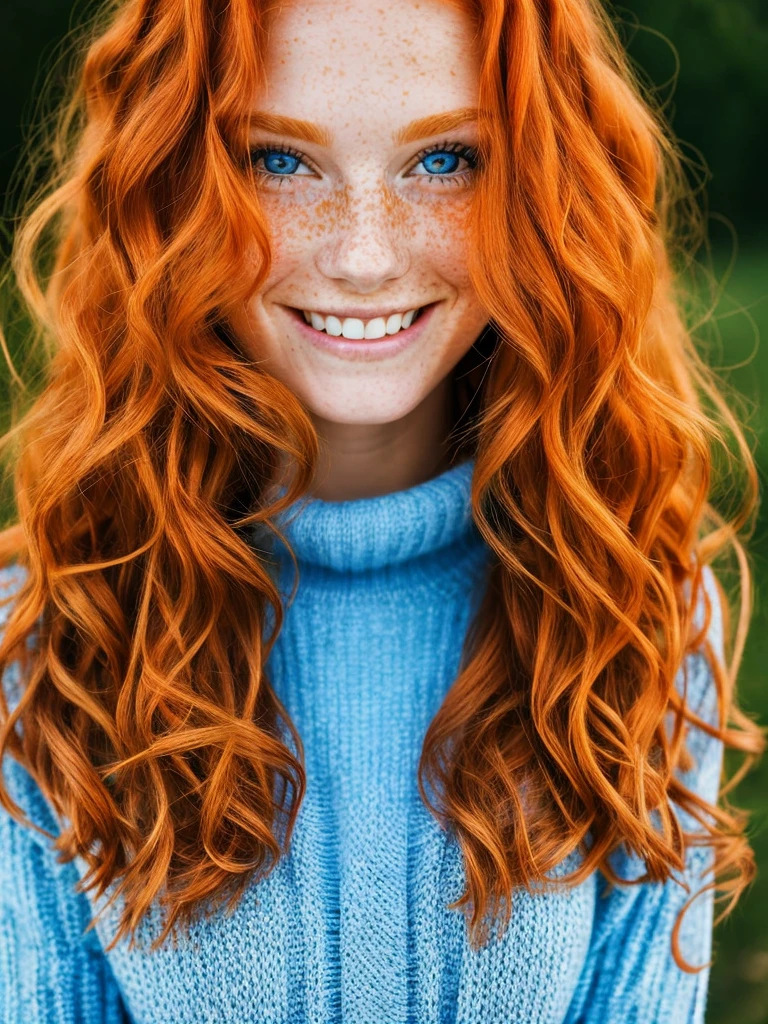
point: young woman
(360, 646)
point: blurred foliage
(706, 61)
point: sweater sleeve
(51, 971)
(630, 975)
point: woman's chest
(354, 925)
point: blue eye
(280, 162)
(282, 159)
(441, 162)
(452, 162)
(275, 162)
(445, 157)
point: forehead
(365, 63)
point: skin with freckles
(367, 209)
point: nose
(368, 247)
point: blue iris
(279, 157)
(441, 155)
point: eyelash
(468, 152)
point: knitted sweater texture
(353, 924)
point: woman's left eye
(441, 163)
(441, 158)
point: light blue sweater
(352, 925)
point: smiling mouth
(354, 325)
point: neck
(372, 459)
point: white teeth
(356, 329)
(333, 326)
(376, 328)
(352, 328)
(394, 323)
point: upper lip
(360, 313)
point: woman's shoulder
(12, 577)
(20, 785)
(696, 672)
(712, 587)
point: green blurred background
(708, 60)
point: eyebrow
(422, 127)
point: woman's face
(365, 224)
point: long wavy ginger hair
(142, 465)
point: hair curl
(144, 461)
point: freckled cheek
(294, 229)
(442, 236)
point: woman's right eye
(280, 162)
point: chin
(363, 412)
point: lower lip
(365, 349)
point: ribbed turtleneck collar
(369, 533)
